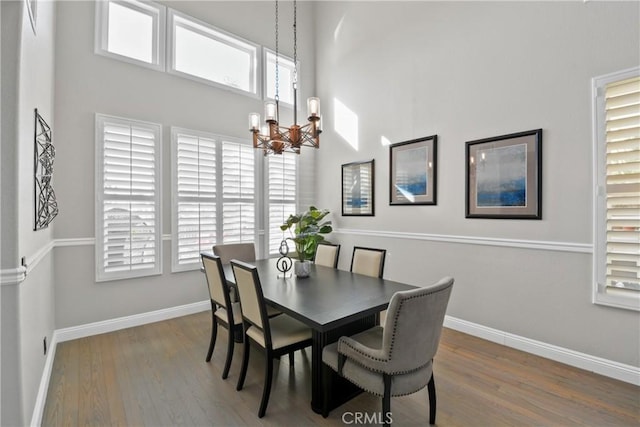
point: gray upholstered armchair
(397, 359)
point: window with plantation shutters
(238, 193)
(282, 197)
(617, 249)
(128, 239)
(194, 208)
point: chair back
(241, 251)
(217, 284)
(368, 261)
(414, 324)
(327, 254)
(250, 291)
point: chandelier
(273, 138)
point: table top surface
(328, 298)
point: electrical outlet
(44, 345)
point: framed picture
(358, 188)
(504, 176)
(32, 10)
(413, 172)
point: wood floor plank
(156, 375)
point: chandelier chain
(295, 43)
(277, 97)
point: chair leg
(386, 400)
(214, 334)
(431, 386)
(230, 345)
(245, 363)
(291, 358)
(268, 377)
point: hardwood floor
(156, 375)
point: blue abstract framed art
(413, 172)
(504, 176)
(358, 183)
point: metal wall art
(46, 206)
(504, 176)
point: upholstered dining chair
(241, 251)
(327, 254)
(275, 336)
(223, 311)
(397, 359)
(369, 261)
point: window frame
(176, 266)
(101, 274)
(219, 140)
(155, 10)
(267, 203)
(599, 294)
(221, 36)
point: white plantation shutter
(282, 189)
(128, 239)
(194, 207)
(238, 193)
(619, 249)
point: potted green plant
(308, 228)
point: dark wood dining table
(333, 303)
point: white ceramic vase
(302, 268)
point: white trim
(95, 328)
(608, 368)
(67, 334)
(41, 397)
(15, 276)
(12, 276)
(470, 240)
(81, 241)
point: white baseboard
(67, 334)
(75, 332)
(41, 397)
(608, 368)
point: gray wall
(86, 84)
(27, 303)
(467, 71)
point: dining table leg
(341, 390)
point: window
(132, 31)
(285, 77)
(282, 197)
(238, 193)
(194, 207)
(204, 53)
(617, 198)
(214, 197)
(128, 229)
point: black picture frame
(413, 172)
(504, 176)
(358, 188)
